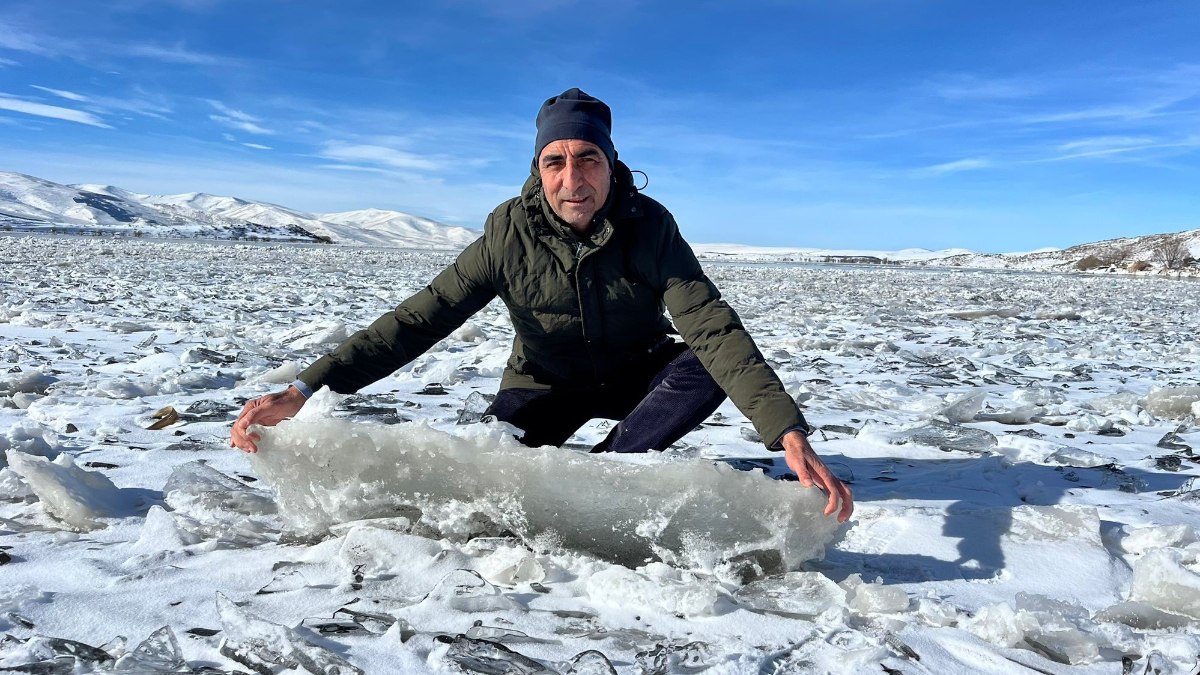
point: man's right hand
(268, 411)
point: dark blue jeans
(657, 402)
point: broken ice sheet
(1172, 402)
(483, 656)
(78, 497)
(1142, 539)
(1142, 616)
(466, 591)
(511, 565)
(375, 623)
(211, 505)
(479, 631)
(876, 598)
(159, 653)
(687, 596)
(667, 658)
(932, 433)
(405, 560)
(284, 581)
(268, 647)
(51, 655)
(799, 593)
(1077, 523)
(1169, 580)
(196, 487)
(160, 539)
(590, 662)
(475, 407)
(1078, 458)
(965, 407)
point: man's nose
(572, 176)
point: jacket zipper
(579, 255)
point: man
(585, 265)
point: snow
(1021, 448)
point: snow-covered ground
(1019, 446)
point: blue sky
(998, 126)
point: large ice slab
(78, 497)
(481, 481)
(1169, 579)
(1172, 402)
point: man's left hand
(809, 468)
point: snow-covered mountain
(392, 225)
(33, 204)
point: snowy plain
(1020, 447)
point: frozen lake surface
(1020, 447)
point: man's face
(575, 177)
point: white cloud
(352, 167)
(172, 54)
(1106, 143)
(973, 87)
(6, 63)
(257, 146)
(18, 40)
(970, 164)
(1185, 145)
(51, 111)
(378, 155)
(248, 127)
(140, 105)
(62, 93)
(237, 119)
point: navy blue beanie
(575, 115)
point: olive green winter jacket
(582, 307)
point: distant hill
(1176, 252)
(33, 204)
(1149, 253)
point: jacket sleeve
(715, 334)
(406, 332)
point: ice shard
(933, 433)
(268, 647)
(590, 662)
(484, 656)
(466, 591)
(795, 593)
(159, 653)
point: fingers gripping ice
(686, 512)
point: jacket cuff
(778, 444)
(303, 388)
